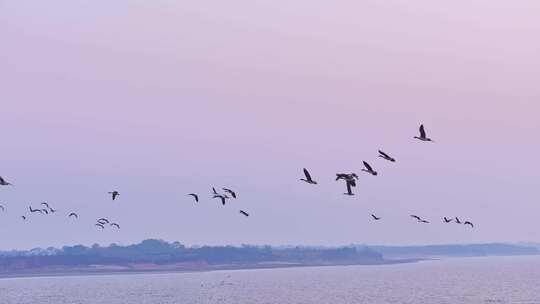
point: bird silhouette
(23, 217)
(45, 210)
(369, 169)
(195, 196)
(232, 193)
(423, 136)
(244, 213)
(45, 204)
(468, 223)
(375, 217)
(115, 225)
(386, 156)
(35, 210)
(100, 225)
(447, 220)
(103, 221)
(308, 178)
(416, 217)
(458, 221)
(3, 182)
(73, 214)
(114, 194)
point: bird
(73, 214)
(422, 136)
(115, 225)
(3, 182)
(103, 220)
(45, 210)
(424, 221)
(386, 156)
(308, 178)
(369, 169)
(114, 194)
(195, 196)
(447, 220)
(45, 204)
(222, 197)
(244, 213)
(35, 210)
(23, 217)
(375, 217)
(232, 193)
(468, 223)
(51, 210)
(2, 207)
(458, 221)
(416, 217)
(100, 225)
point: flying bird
(232, 193)
(423, 136)
(244, 213)
(3, 182)
(114, 194)
(375, 217)
(369, 169)
(222, 197)
(45, 204)
(100, 225)
(469, 223)
(416, 217)
(51, 210)
(195, 196)
(115, 225)
(73, 214)
(447, 220)
(308, 178)
(45, 210)
(23, 217)
(103, 220)
(458, 221)
(35, 210)
(386, 156)
(424, 221)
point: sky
(157, 99)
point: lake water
(470, 280)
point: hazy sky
(161, 98)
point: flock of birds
(349, 179)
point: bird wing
(374, 217)
(2, 181)
(306, 173)
(214, 189)
(349, 190)
(415, 216)
(383, 154)
(422, 131)
(244, 213)
(367, 166)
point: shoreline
(232, 267)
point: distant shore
(120, 270)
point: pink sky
(161, 98)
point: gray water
(470, 280)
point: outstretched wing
(422, 131)
(306, 173)
(367, 166)
(383, 154)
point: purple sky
(161, 98)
